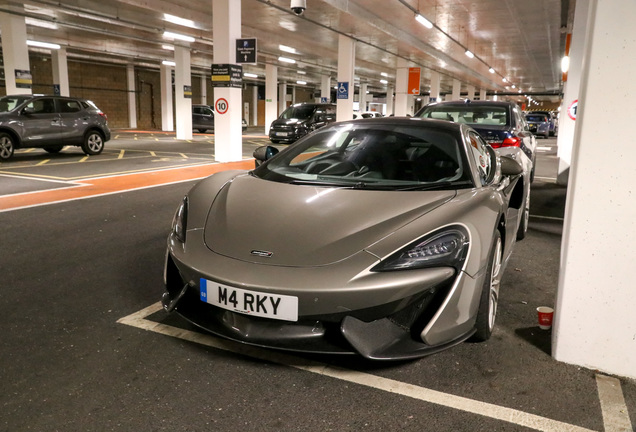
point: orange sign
(414, 81)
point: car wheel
(274, 141)
(6, 146)
(490, 293)
(54, 149)
(93, 143)
(525, 219)
(202, 130)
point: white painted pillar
(389, 101)
(132, 100)
(457, 89)
(346, 66)
(59, 65)
(15, 54)
(482, 94)
(471, 92)
(293, 95)
(325, 88)
(282, 97)
(401, 87)
(183, 84)
(435, 86)
(271, 105)
(565, 139)
(254, 120)
(204, 90)
(595, 324)
(167, 116)
(226, 25)
(363, 97)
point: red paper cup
(545, 317)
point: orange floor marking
(120, 183)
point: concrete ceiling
(522, 40)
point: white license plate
(265, 305)
(282, 133)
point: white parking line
(615, 415)
(542, 148)
(509, 415)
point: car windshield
(471, 114)
(373, 156)
(537, 118)
(8, 103)
(298, 112)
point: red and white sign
(414, 81)
(221, 106)
(572, 109)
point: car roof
(408, 121)
(474, 102)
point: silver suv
(51, 122)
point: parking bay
(82, 277)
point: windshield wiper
(319, 183)
(433, 186)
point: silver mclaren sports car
(383, 237)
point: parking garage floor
(86, 346)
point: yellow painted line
(121, 154)
(29, 150)
(156, 139)
(116, 136)
(83, 159)
(43, 162)
(183, 155)
(153, 153)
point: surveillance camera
(298, 6)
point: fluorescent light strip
(178, 20)
(426, 23)
(469, 54)
(168, 63)
(491, 70)
(43, 44)
(250, 75)
(178, 36)
(286, 60)
(287, 49)
(168, 47)
(301, 82)
(40, 23)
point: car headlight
(180, 221)
(447, 247)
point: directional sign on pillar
(414, 81)
(246, 50)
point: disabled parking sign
(343, 90)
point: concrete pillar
(59, 65)
(282, 97)
(183, 85)
(389, 101)
(254, 120)
(595, 324)
(471, 92)
(482, 94)
(17, 72)
(132, 100)
(363, 97)
(346, 66)
(226, 25)
(271, 105)
(204, 90)
(457, 89)
(565, 140)
(435, 79)
(325, 88)
(401, 87)
(165, 76)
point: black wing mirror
(510, 167)
(264, 153)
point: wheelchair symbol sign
(343, 90)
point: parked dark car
(300, 119)
(503, 126)
(51, 122)
(202, 118)
(539, 124)
(552, 119)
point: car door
(74, 120)
(202, 118)
(40, 123)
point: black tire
(274, 141)
(490, 292)
(525, 219)
(54, 149)
(202, 130)
(7, 146)
(93, 143)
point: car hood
(288, 122)
(283, 224)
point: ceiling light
(504, 80)
(286, 60)
(384, 81)
(491, 70)
(384, 74)
(179, 21)
(40, 23)
(513, 86)
(469, 54)
(168, 63)
(301, 82)
(301, 72)
(43, 44)
(168, 47)
(171, 35)
(565, 64)
(287, 49)
(250, 75)
(426, 23)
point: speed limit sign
(221, 106)
(572, 109)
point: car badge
(264, 254)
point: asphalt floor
(85, 346)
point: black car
(202, 118)
(51, 122)
(300, 119)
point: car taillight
(511, 142)
(104, 115)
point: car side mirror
(28, 111)
(264, 153)
(510, 167)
